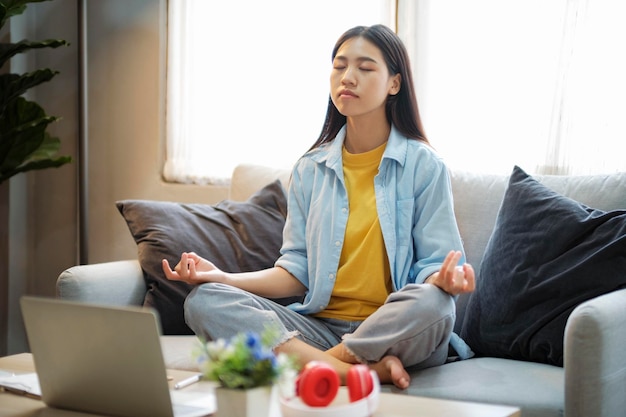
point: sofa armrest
(595, 357)
(111, 283)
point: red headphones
(318, 385)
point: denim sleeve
(435, 232)
(294, 251)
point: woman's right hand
(274, 282)
(192, 269)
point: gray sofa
(593, 379)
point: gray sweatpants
(414, 324)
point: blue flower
(245, 361)
(253, 341)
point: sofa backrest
(249, 178)
(477, 197)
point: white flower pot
(253, 402)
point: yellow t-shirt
(363, 280)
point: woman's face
(360, 81)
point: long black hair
(401, 109)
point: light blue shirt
(414, 204)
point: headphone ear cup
(360, 383)
(317, 384)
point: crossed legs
(411, 329)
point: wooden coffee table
(391, 405)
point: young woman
(370, 238)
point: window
(534, 83)
(499, 82)
(248, 79)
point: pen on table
(187, 381)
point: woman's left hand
(453, 278)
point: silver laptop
(104, 360)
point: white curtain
(537, 83)
(247, 80)
(587, 130)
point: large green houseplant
(24, 143)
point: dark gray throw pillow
(546, 255)
(235, 236)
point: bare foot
(390, 370)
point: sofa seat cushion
(537, 389)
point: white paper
(21, 383)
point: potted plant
(246, 369)
(25, 144)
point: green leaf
(29, 146)
(13, 85)
(22, 128)
(9, 50)
(46, 150)
(39, 164)
(9, 8)
(3, 14)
